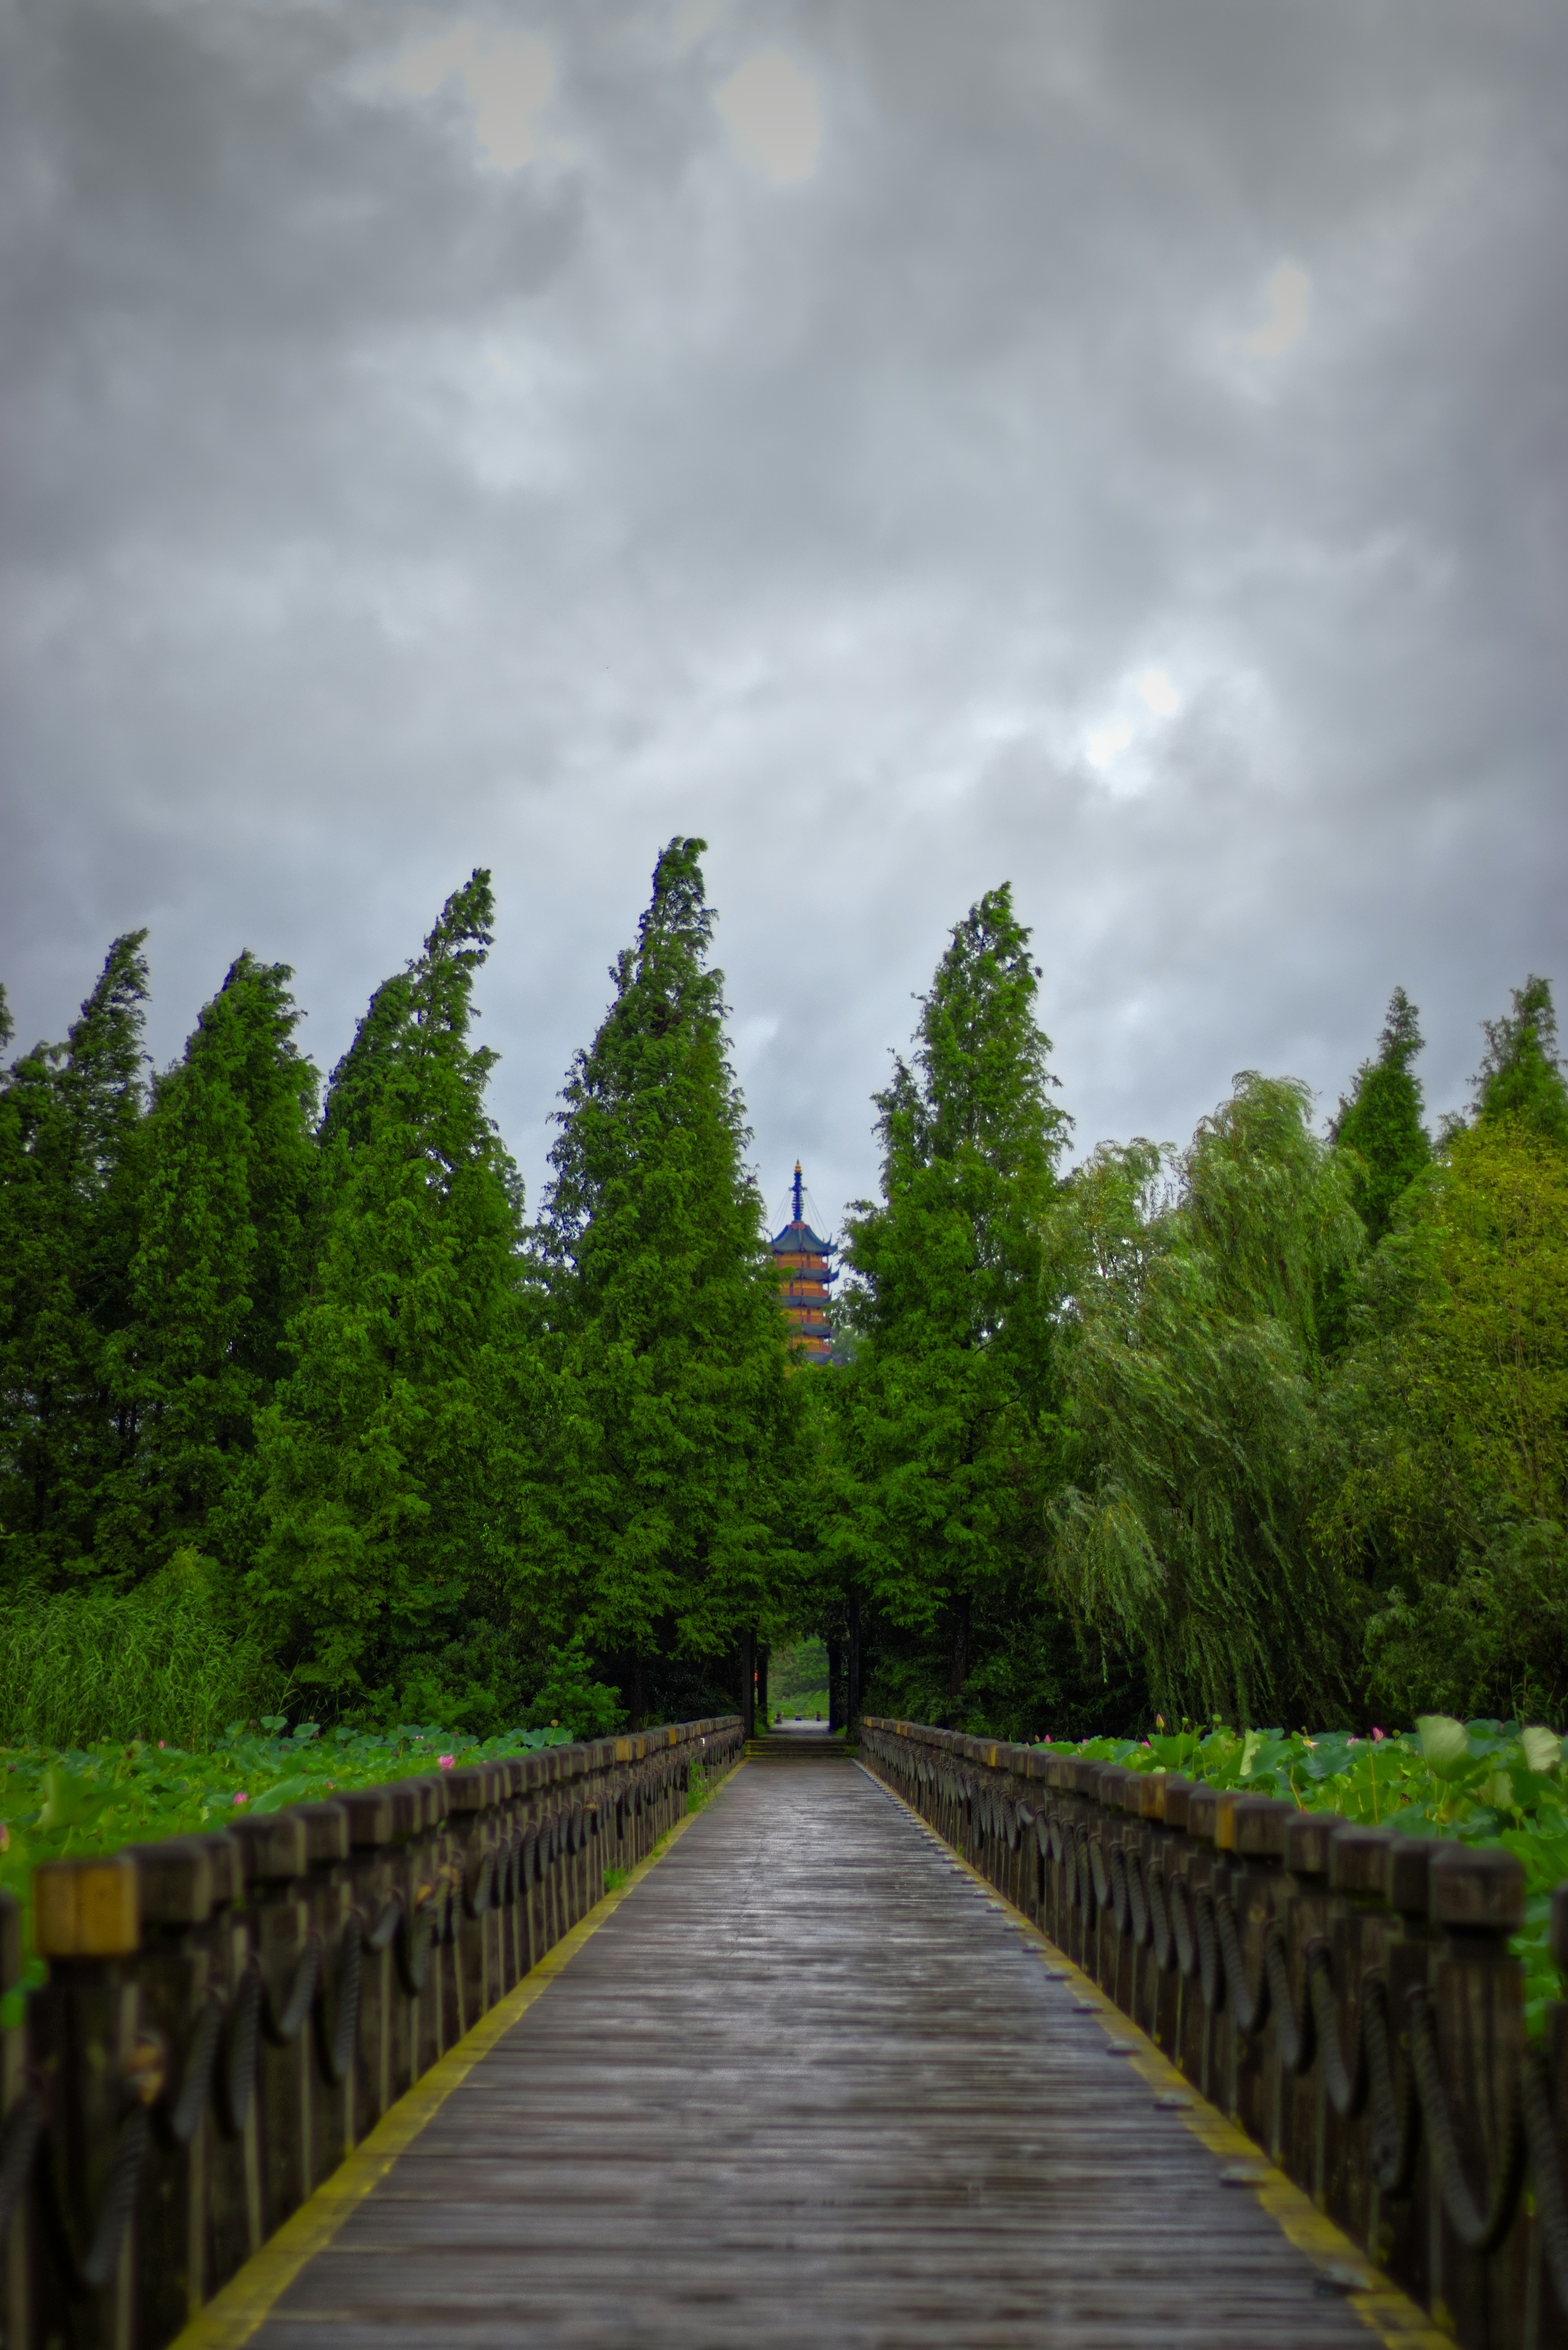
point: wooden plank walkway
(808, 2084)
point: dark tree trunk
(763, 1712)
(835, 1684)
(746, 1689)
(855, 1690)
(960, 1673)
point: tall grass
(77, 1668)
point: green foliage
(570, 1694)
(82, 1801)
(673, 1427)
(1520, 1076)
(69, 1136)
(940, 1432)
(226, 1166)
(102, 1664)
(391, 1470)
(1448, 1424)
(798, 1669)
(1194, 1363)
(1480, 1782)
(1380, 1125)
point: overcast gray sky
(1117, 447)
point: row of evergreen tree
(302, 1357)
(1274, 1426)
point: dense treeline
(291, 1388)
(298, 1407)
(1272, 1429)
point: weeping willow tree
(1197, 1288)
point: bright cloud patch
(774, 116)
(1287, 314)
(506, 77)
(1120, 745)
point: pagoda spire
(804, 1270)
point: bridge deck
(808, 2084)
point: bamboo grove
(301, 1411)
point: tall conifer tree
(1522, 1075)
(669, 1497)
(949, 1399)
(391, 1459)
(1381, 1122)
(69, 1130)
(219, 1266)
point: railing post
(471, 1827)
(372, 1831)
(1169, 1849)
(96, 2065)
(1203, 2052)
(1303, 2138)
(330, 2136)
(1477, 1901)
(1261, 1898)
(275, 1865)
(174, 1973)
(19, 2118)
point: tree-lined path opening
(810, 2083)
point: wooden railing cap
(87, 1909)
(176, 1887)
(274, 1845)
(1476, 1890)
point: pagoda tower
(805, 1263)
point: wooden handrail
(227, 2015)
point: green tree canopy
(669, 1484)
(1195, 1361)
(393, 1458)
(1450, 1428)
(1381, 1124)
(219, 1266)
(948, 1405)
(69, 1181)
(1520, 1075)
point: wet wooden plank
(807, 2086)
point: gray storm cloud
(1119, 450)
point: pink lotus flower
(160, 1746)
(241, 1797)
(446, 1760)
(1375, 1731)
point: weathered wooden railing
(1344, 1994)
(227, 2015)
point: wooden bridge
(804, 2078)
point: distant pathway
(807, 2086)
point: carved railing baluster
(1346, 1994)
(226, 2015)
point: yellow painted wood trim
(238, 2309)
(1391, 2315)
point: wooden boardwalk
(809, 2085)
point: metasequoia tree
(70, 1121)
(227, 1161)
(392, 1458)
(1380, 1123)
(672, 1418)
(947, 1410)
